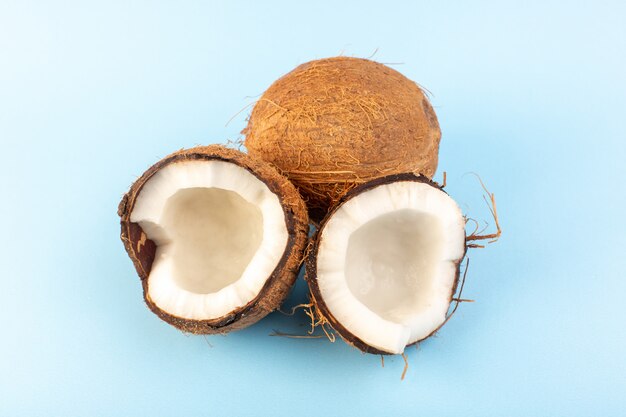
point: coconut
(216, 237)
(384, 264)
(331, 124)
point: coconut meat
(387, 263)
(220, 233)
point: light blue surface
(530, 95)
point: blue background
(530, 95)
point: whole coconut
(334, 123)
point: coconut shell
(311, 262)
(141, 250)
(334, 123)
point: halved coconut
(385, 262)
(216, 237)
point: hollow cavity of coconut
(385, 263)
(216, 237)
(331, 124)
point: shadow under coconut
(281, 323)
(289, 330)
(292, 329)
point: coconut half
(385, 262)
(216, 237)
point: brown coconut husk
(142, 250)
(334, 123)
(311, 264)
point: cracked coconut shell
(400, 323)
(275, 286)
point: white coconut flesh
(220, 233)
(387, 262)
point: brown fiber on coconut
(333, 123)
(385, 263)
(205, 206)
